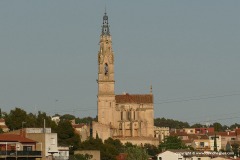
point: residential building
(182, 155)
(47, 140)
(63, 153)
(161, 133)
(202, 143)
(204, 130)
(227, 137)
(212, 137)
(189, 130)
(82, 129)
(18, 147)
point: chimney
(23, 132)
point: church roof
(134, 98)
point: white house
(182, 155)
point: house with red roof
(227, 137)
(19, 147)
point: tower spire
(105, 26)
(151, 89)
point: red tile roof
(134, 98)
(228, 134)
(14, 138)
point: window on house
(27, 148)
(201, 144)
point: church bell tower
(106, 95)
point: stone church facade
(127, 117)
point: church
(127, 117)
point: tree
(86, 120)
(81, 157)
(234, 126)
(91, 144)
(67, 117)
(162, 122)
(14, 120)
(151, 149)
(67, 135)
(48, 121)
(172, 142)
(228, 147)
(112, 148)
(235, 149)
(136, 153)
(217, 127)
(197, 125)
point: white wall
(168, 155)
(51, 144)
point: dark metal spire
(105, 26)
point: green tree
(67, 135)
(151, 149)
(172, 142)
(86, 120)
(112, 148)
(14, 120)
(41, 116)
(162, 122)
(197, 125)
(235, 149)
(234, 126)
(91, 144)
(136, 153)
(217, 127)
(81, 157)
(129, 144)
(67, 117)
(228, 147)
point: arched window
(106, 69)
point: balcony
(35, 154)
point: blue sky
(188, 50)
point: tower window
(106, 69)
